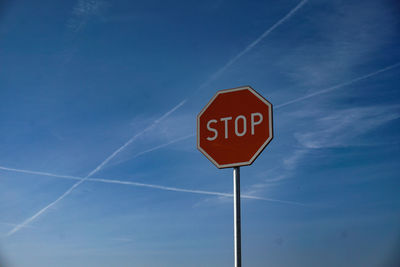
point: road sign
(234, 127)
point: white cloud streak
(337, 128)
(40, 212)
(338, 86)
(231, 62)
(13, 224)
(212, 78)
(340, 128)
(290, 161)
(254, 43)
(98, 168)
(164, 145)
(116, 152)
(228, 64)
(83, 11)
(153, 186)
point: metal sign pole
(236, 215)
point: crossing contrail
(39, 173)
(213, 77)
(323, 91)
(236, 58)
(154, 186)
(254, 43)
(95, 170)
(332, 88)
(101, 165)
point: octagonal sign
(234, 127)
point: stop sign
(234, 127)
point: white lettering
(253, 122)
(256, 118)
(226, 119)
(244, 125)
(212, 130)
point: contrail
(136, 184)
(332, 88)
(99, 167)
(40, 212)
(213, 77)
(237, 57)
(179, 139)
(163, 145)
(254, 43)
(13, 224)
(338, 86)
(39, 173)
(202, 192)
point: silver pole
(236, 215)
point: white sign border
(262, 147)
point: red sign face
(234, 127)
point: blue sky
(98, 159)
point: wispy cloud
(83, 11)
(124, 146)
(316, 139)
(343, 39)
(338, 86)
(171, 130)
(333, 128)
(292, 161)
(14, 224)
(39, 173)
(340, 128)
(95, 170)
(329, 128)
(40, 212)
(163, 145)
(253, 44)
(153, 186)
(230, 63)
(88, 7)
